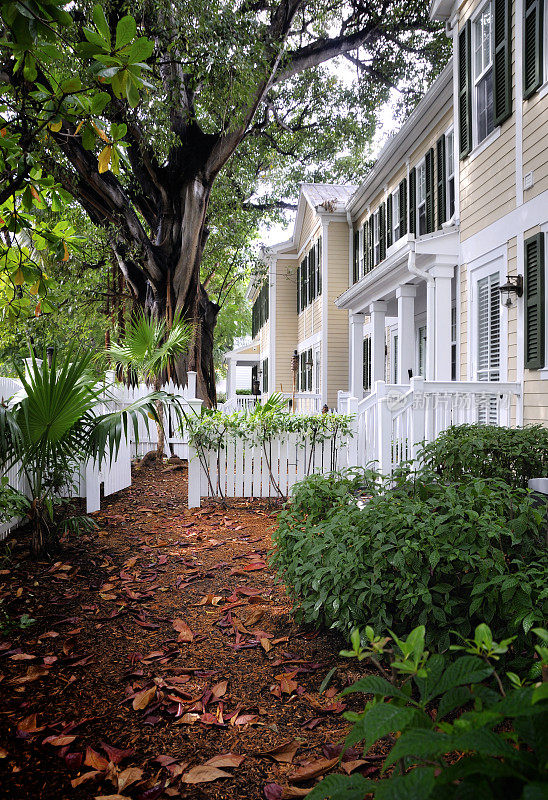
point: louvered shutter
(413, 201)
(429, 162)
(395, 359)
(304, 283)
(265, 375)
(534, 302)
(489, 328)
(465, 91)
(403, 207)
(298, 288)
(533, 25)
(365, 246)
(441, 180)
(370, 253)
(309, 371)
(356, 257)
(319, 267)
(382, 231)
(311, 274)
(367, 363)
(303, 373)
(388, 221)
(502, 61)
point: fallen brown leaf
(313, 770)
(87, 776)
(225, 760)
(142, 699)
(185, 634)
(129, 776)
(204, 774)
(284, 753)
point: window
(265, 375)
(259, 311)
(305, 383)
(488, 327)
(376, 239)
(396, 216)
(395, 358)
(450, 161)
(483, 73)
(453, 343)
(367, 364)
(317, 369)
(309, 276)
(421, 198)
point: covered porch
(404, 386)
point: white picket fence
(114, 474)
(241, 469)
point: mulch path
(162, 641)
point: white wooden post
(418, 414)
(384, 431)
(406, 331)
(93, 487)
(191, 384)
(356, 364)
(194, 478)
(377, 311)
(442, 275)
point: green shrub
(423, 552)
(429, 708)
(485, 451)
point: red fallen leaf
(204, 774)
(129, 776)
(59, 741)
(284, 753)
(310, 724)
(225, 760)
(313, 770)
(95, 760)
(142, 699)
(350, 766)
(22, 657)
(273, 791)
(245, 719)
(209, 600)
(29, 725)
(294, 791)
(74, 760)
(165, 761)
(185, 634)
(209, 719)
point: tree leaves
(142, 699)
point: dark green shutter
(367, 363)
(403, 207)
(382, 231)
(365, 247)
(298, 288)
(533, 25)
(318, 246)
(356, 257)
(370, 252)
(502, 61)
(303, 373)
(309, 370)
(413, 201)
(534, 302)
(303, 285)
(312, 274)
(429, 162)
(441, 180)
(265, 375)
(388, 221)
(465, 91)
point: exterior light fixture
(513, 286)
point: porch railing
(394, 420)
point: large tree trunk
(173, 284)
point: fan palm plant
(55, 424)
(148, 350)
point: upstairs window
(483, 72)
(309, 276)
(396, 234)
(421, 198)
(376, 239)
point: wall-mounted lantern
(511, 289)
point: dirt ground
(163, 661)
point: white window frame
(393, 361)
(420, 322)
(316, 369)
(376, 238)
(495, 261)
(396, 216)
(421, 170)
(450, 154)
(477, 78)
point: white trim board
(496, 261)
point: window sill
(478, 149)
(543, 373)
(541, 92)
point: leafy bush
(485, 451)
(431, 708)
(12, 503)
(421, 552)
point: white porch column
(231, 378)
(442, 275)
(356, 373)
(406, 331)
(377, 311)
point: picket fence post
(194, 478)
